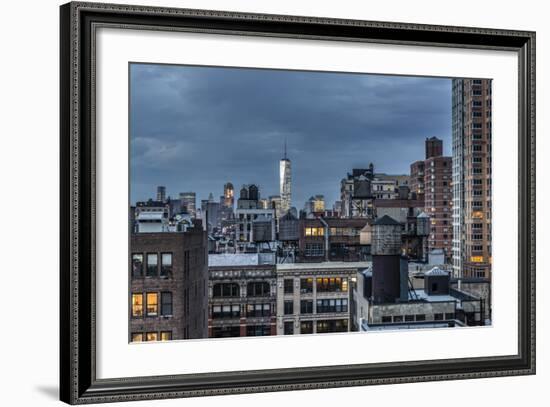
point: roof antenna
(285, 148)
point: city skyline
(319, 114)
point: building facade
(472, 107)
(315, 298)
(242, 296)
(438, 198)
(417, 180)
(168, 283)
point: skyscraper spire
(284, 183)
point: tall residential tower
(284, 184)
(471, 103)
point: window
(152, 304)
(449, 315)
(152, 336)
(333, 284)
(137, 305)
(314, 250)
(420, 317)
(398, 318)
(334, 325)
(289, 328)
(166, 336)
(258, 330)
(386, 319)
(226, 311)
(314, 231)
(226, 290)
(166, 265)
(289, 286)
(306, 327)
(137, 265)
(166, 303)
(258, 310)
(409, 318)
(137, 337)
(289, 307)
(152, 264)
(438, 316)
(332, 305)
(306, 285)
(306, 307)
(257, 289)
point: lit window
(152, 336)
(344, 284)
(476, 259)
(152, 304)
(166, 336)
(137, 337)
(137, 305)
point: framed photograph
(254, 203)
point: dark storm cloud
(195, 128)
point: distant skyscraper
(434, 147)
(471, 103)
(188, 202)
(161, 193)
(229, 195)
(285, 179)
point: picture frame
(79, 383)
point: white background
(116, 359)
(29, 202)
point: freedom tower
(284, 184)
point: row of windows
(323, 306)
(152, 265)
(314, 231)
(234, 331)
(260, 288)
(151, 336)
(306, 327)
(253, 289)
(147, 304)
(326, 284)
(234, 310)
(416, 317)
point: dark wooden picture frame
(78, 381)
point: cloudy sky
(196, 128)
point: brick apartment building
(432, 178)
(168, 284)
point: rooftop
(386, 220)
(237, 260)
(326, 265)
(436, 271)
(422, 295)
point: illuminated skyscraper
(472, 177)
(284, 186)
(229, 195)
